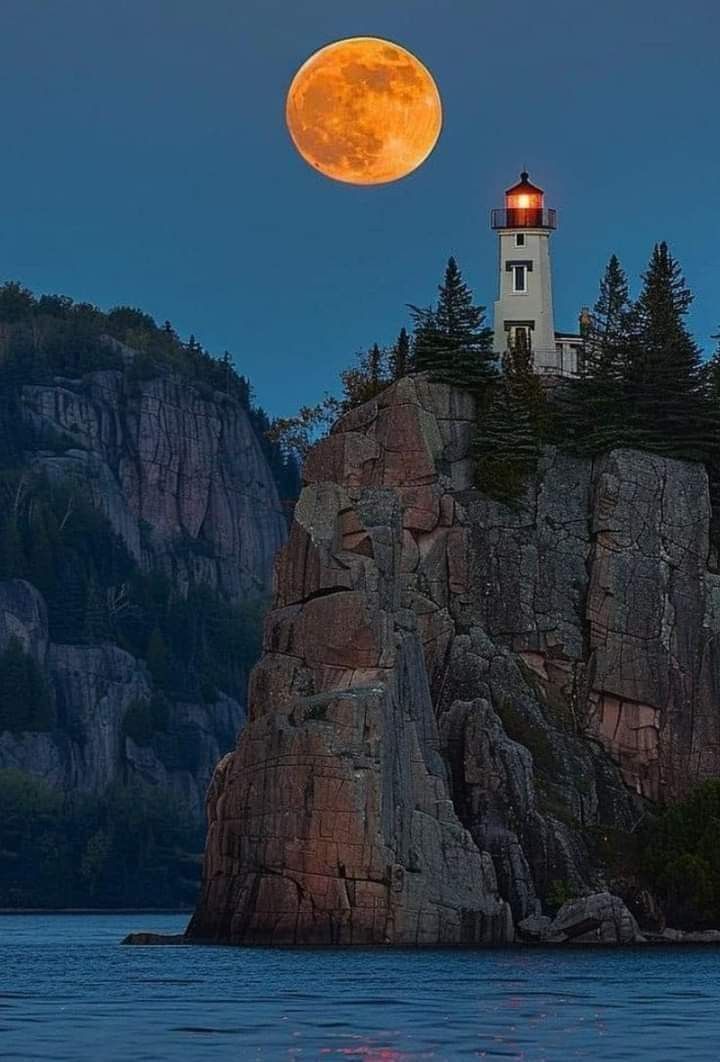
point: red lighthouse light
(524, 208)
(524, 203)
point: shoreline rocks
(454, 693)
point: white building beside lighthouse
(524, 308)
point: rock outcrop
(93, 686)
(181, 476)
(170, 465)
(600, 918)
(453, 692)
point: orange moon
(364, 111)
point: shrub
(681, 857)
(26, 703)
(145, 718)
(523, 729)
(133, 846)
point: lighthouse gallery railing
(523, 219)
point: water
(68, 990)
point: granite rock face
(93, 686)
(601, 585)
(168, 464)
(454, 693)
(182, 478)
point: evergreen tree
(711, 374)
(611, 326)
(157, 657)
(711, 379)
(366, 379)
(96, 626)
(25, 702)
(667, 406)
(401, 359)
(375, 367)
(509, 430)
(590, 412)
(13, 564)
(452, 342)
(41, 562)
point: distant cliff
(140, 512)
(459, 701)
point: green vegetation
(130, 846)
(674, 854)
(134, 847)
(25, 700)
(559, 893)
(194, 645)
(642, 381)
(50, 335)
(146, 718)
(680, 858)
(520, 727)
(510, 428)
(452, 341)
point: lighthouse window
(519, 239)
(519, 278)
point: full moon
(364, 111)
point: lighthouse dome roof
(524, 185)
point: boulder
(598, 919)
(153, 939)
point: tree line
(131, 847)
(642, 380)
(48, 335)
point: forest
(131, 846)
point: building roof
(524, 185)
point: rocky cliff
(170, 464)
(454, 695)
(180, 476)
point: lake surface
(68, 990)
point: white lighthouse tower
(524, 309)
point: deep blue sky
(144, 160)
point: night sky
(145, 161)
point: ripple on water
(70, 993)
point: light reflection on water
(69, 991)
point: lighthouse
(524, 308)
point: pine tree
(590, 412)
(711, 380)
(40, 549)
(25, 702)
(611, 326)
(452, 342)
(509, 429)
(367, 378)
(711, 374)
(401, 358)
(13, 563)
(157, 658)
(95, 627)
(375, 372)
(13, 687)
(667, 405)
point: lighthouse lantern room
(524, 309)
